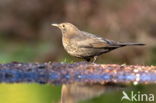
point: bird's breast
(70, 46)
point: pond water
(72, 93)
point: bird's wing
(103, 45)
(92, 41)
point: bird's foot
(94, 59)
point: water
(71, 93)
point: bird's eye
(63, 25)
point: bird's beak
(55, 25)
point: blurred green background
(26, 35)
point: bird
(86, 45)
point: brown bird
(86, 45)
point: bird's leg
(94, 59)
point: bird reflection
(74, 93)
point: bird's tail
(131, 44)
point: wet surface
(61, 73)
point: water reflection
(73, 93)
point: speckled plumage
(86, 45)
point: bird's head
(66, 28)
